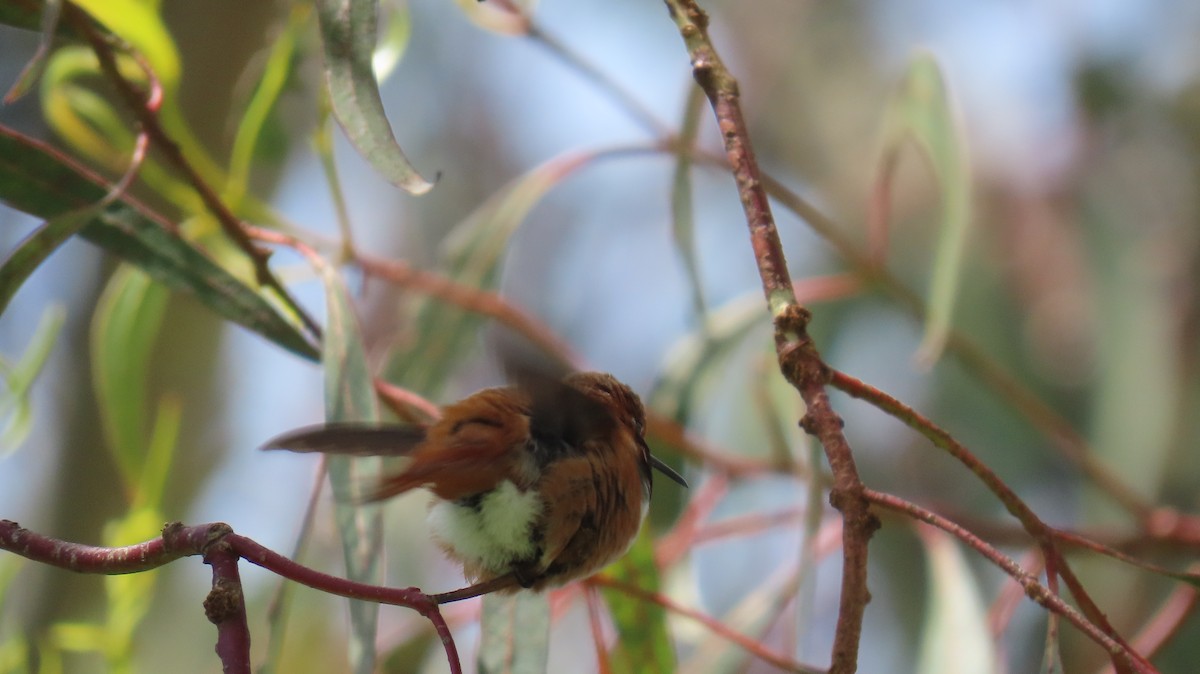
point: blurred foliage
(1077, 282)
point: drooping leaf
(29, 254)
(348, 32)
(697, 357)
(922, 111)
(38, 180)
(29, 14)
(643, 640)
(160, 450)
(15, 405)
(1052, 655)
(266, 94)
(125, 327)
(350, 397)
(956, 637)
(516, 633)
(682, 218)
(51, 11)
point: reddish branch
(798, 357)
(225, 605)
(1125, 659)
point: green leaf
(516, 633)
(683, 223)
(19, 379)
(38, 180)
(29, 254)
(138, 22)
(1052, 655)
(66, 94)
(30, 15)
(350, 396)
(266, 94)
(37, 63)
(699, 357)
(923, 112)
(643, 640)
(956, 637)
(160, 451)
(124, 329)
(129, 595)
(14, 653)
(348, 32)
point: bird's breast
(490, 531)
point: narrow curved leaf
(643, 640)
(125, 327)
(922, 111)
(348, 32)
(683, 223)
(37, 63)
(28, 14)
(15, 406)
(516, 633)
(39, 180)
(266, 95)
(956, 637)
(349, 397)
(702, 355)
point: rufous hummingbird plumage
(547, 481)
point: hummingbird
(547, 481)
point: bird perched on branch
(547, 481)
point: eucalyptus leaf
(19, 378)
(643, 640)
(125, 327)
(516, 633)
(41, 181)
(956, 637)
(348, 32)
(350, 397)
(922, 111)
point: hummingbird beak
(663, 468)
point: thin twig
(1039, 593)
(716, 626)
(225, 607)
(798, 357)
(1041, 532)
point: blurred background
(1081, 128)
